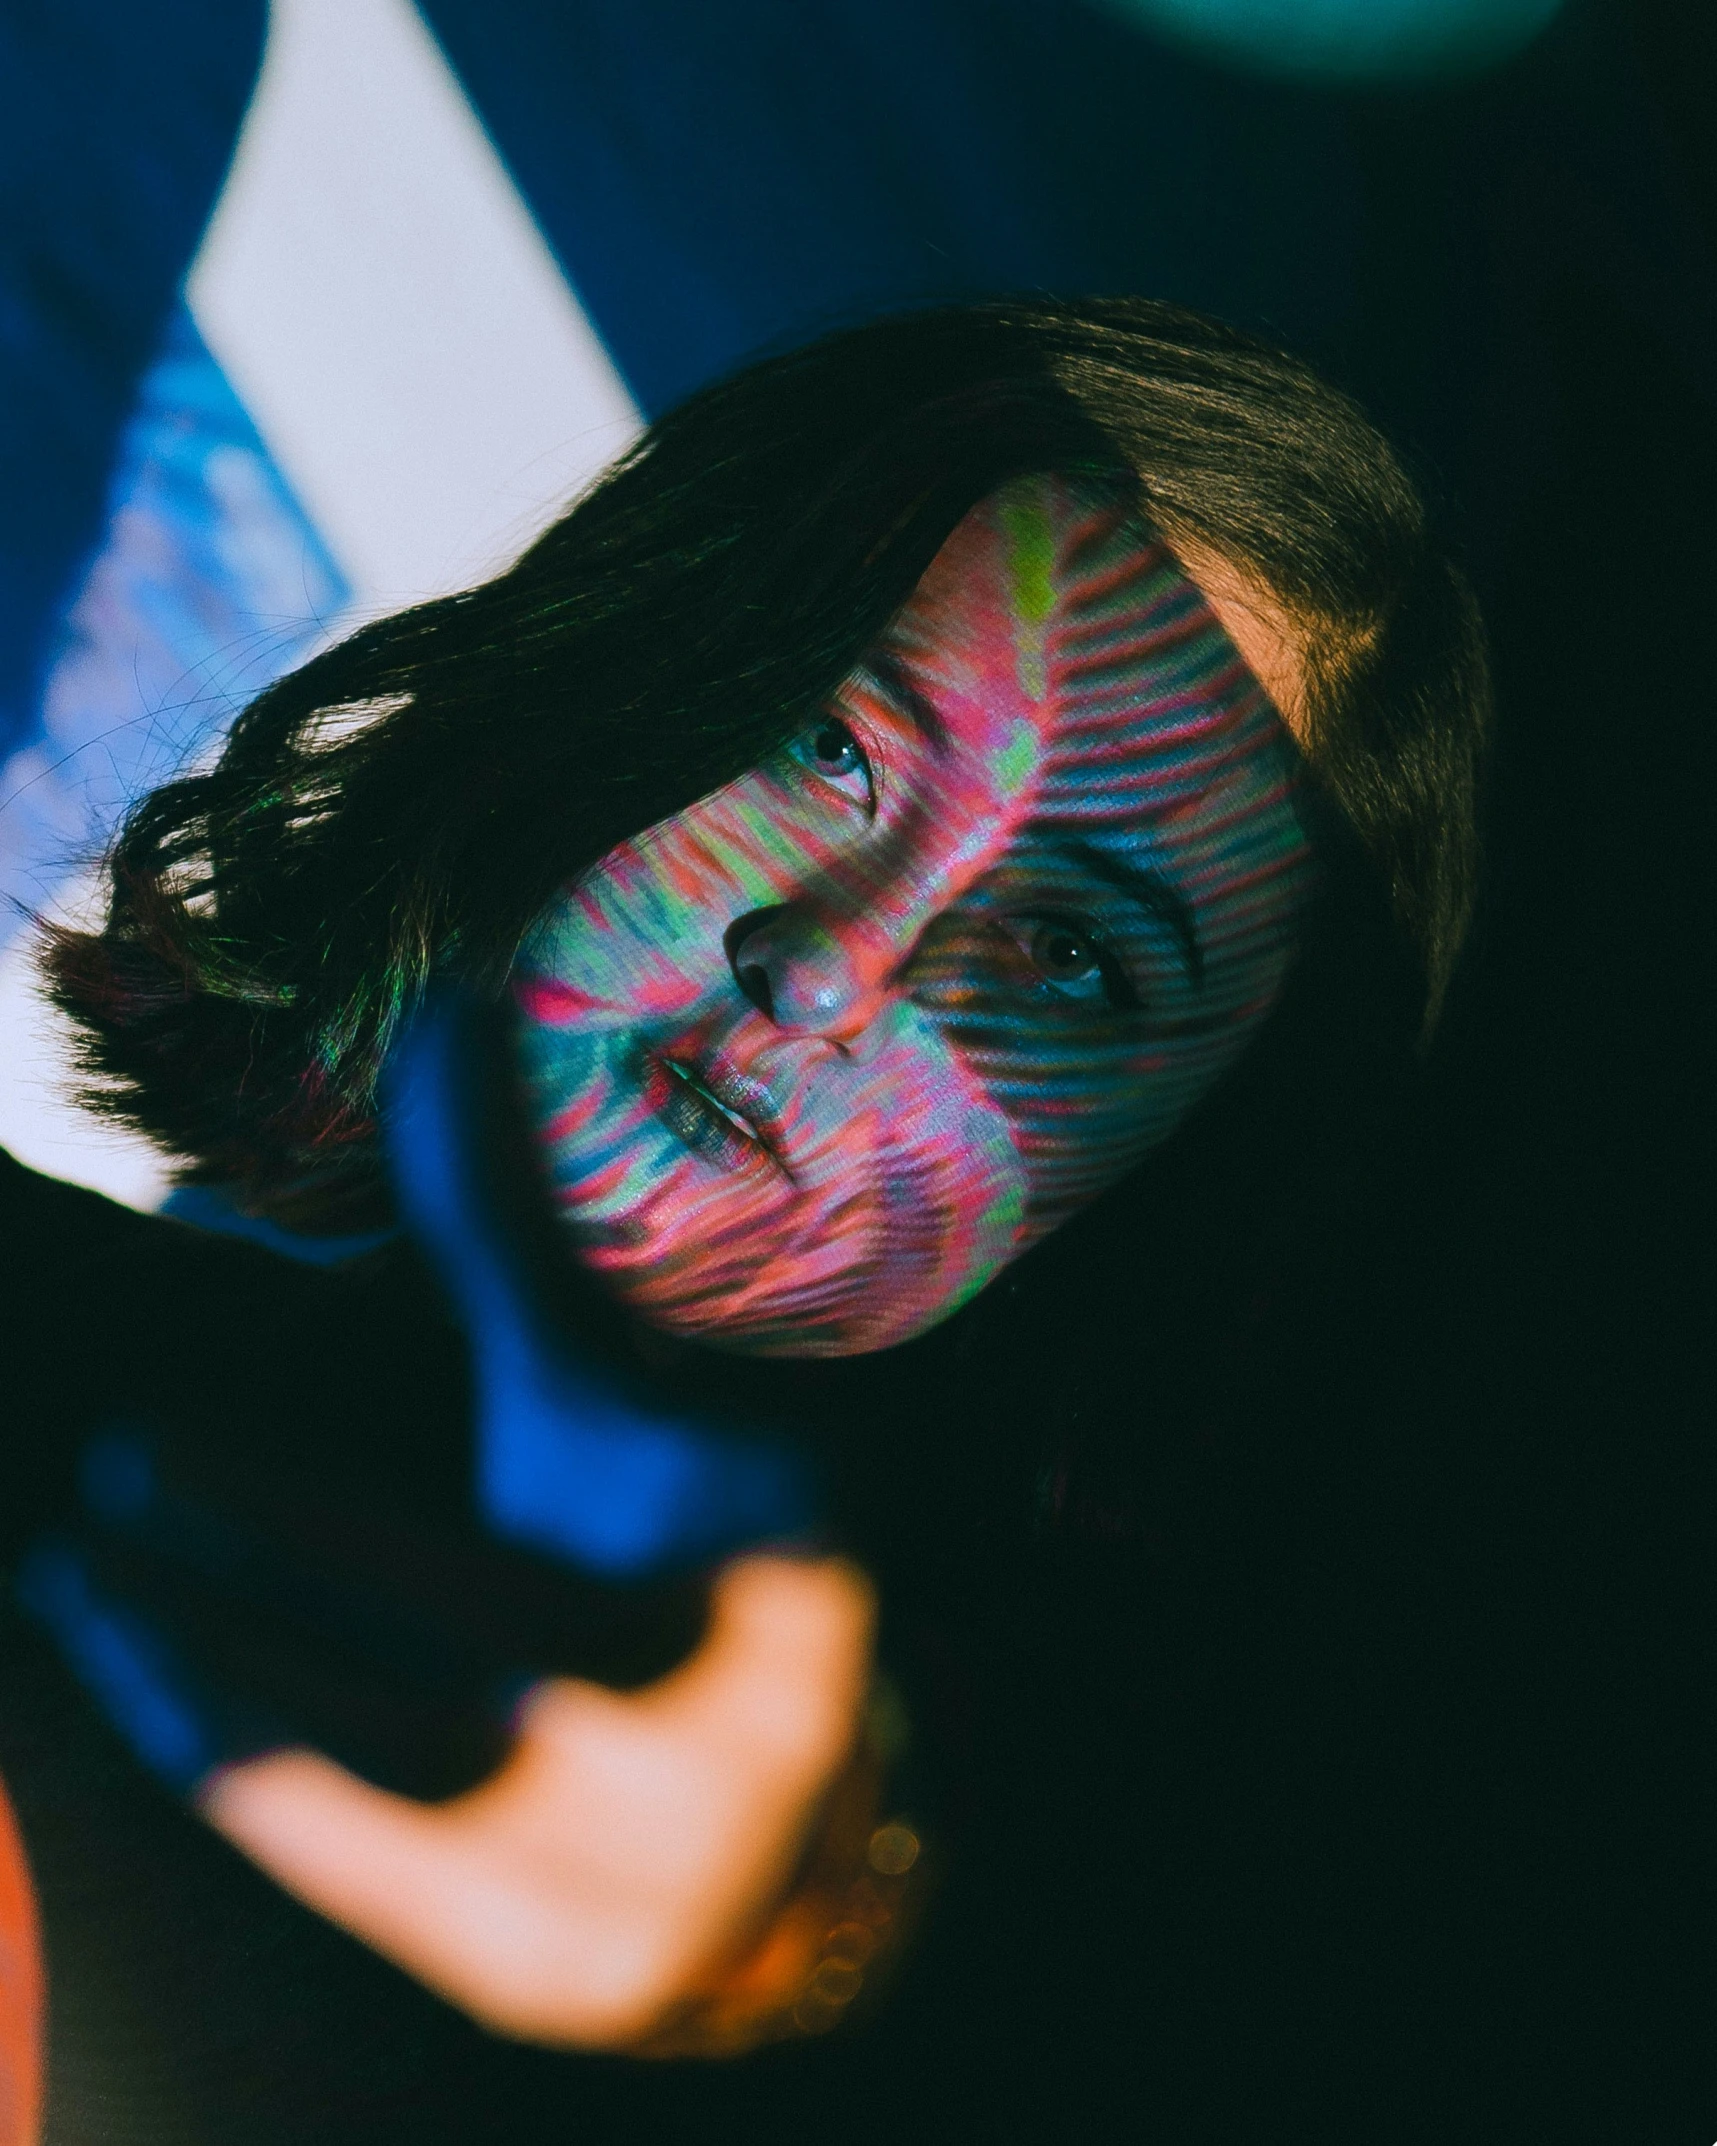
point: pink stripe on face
(816, 1057)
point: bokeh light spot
(893, 1850)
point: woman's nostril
(754, 982)
(741, 944)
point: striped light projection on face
(818, 1056)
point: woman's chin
(787, 1331)
(831, 1273)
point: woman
(1012, 700)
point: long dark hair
(403, 806)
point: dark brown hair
(402, 807)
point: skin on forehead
(1259, 627)
(817, 1056)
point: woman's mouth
(697, 1116)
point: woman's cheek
(748, 845)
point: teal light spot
(1349, 40)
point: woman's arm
(626, 1868)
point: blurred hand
(631, 1854)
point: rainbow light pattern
(816, 1057)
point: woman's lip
(705, 1108)
(743, 1095)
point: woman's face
(819, 1055)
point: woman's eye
(830, 750)
(1071, 958)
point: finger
(785, 1662)
(629, 1841)
(710, 1780)
(412, 1882)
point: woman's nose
(811, 973)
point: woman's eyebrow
(920, 711)
(1152, 893)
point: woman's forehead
(1057, 653)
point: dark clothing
(189, 1999)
